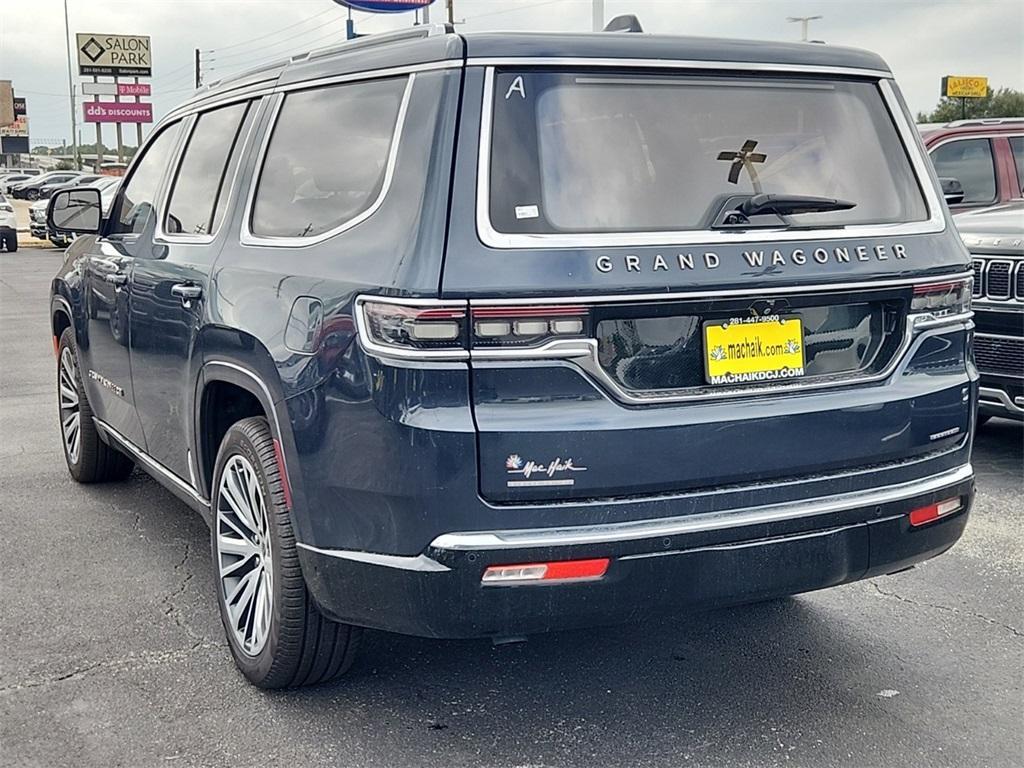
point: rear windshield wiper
(785, 205)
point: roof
(933, 131)
(436, 43)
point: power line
(275, 32)
(215, 55)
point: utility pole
(803, 24)
(598, 15)
(450, 4)
(198, 75)
(71, 90)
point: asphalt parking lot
(112, 653)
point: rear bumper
(657, 566)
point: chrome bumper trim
(529, 538)
(998, 398)
(402, 562)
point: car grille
(1000, 355)
(998, 279)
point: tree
(1005, 102)
(65, 165)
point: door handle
(187, 291)
(115, 278)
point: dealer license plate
(751, 350)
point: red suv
(986, 157)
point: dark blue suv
(488, 335)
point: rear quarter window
(327, 159)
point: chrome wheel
(70, 411)
(244, 554)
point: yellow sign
(755, 349)
(963, 87)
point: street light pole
(598, 16)
(71, 90)
(803, 23)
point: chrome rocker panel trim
(529, 538)
(990, 398)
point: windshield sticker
(516, 87)
(527, 212)
(744, 158)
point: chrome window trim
(161, 235)
(701, 64)
(250, 239)
(195, 104)
(369, 74)
(914, 149)
(528, 538)
(150, 463)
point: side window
(971, 162)
(1017, 146)
(201, 179)
(327, 157)
(136, 207)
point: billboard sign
(117, 89)
(117, 55)
(964, 87)
(134, 89)
(14, 137)
(117, 112)
(384, 6)
(6, 103)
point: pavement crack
(947, 608)
(130, 662)
(168, 602)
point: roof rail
(366, 41)
(985, 121)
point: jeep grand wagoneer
(487, 335)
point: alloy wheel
(244, 554)
(70, 412)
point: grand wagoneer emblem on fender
(756, 259)
(530, 473)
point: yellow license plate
(762, 349)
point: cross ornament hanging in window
(744, 158)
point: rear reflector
(932, 512)
(562, 570)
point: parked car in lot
(995, 238)
(8, 225)
(984, 157)
(20, 172)
(31, 189)
(12, 180)
(37, 211)
(50, 187)
(492, 334)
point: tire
(89, 459)
(287, 642)
(11, 242)
(32, 194)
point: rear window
(636, 152)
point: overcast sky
(921, 39)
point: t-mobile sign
(133, 89)
(117, 112)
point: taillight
(942, 299)
(932, 512)
(527, 326)
(411, 328)
(425, 328)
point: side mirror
(75, 212)
(952, 190)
